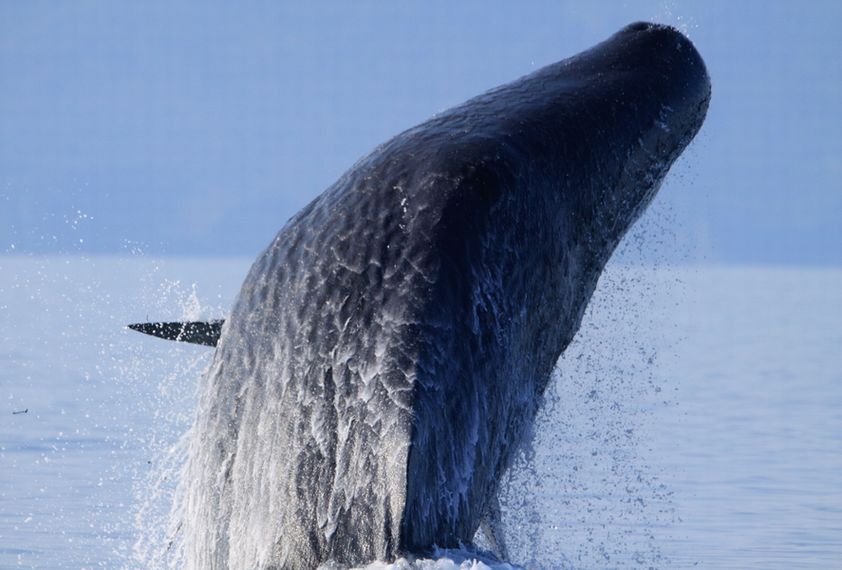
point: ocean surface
(695, 421)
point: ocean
(695, 421)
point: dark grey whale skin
(389, 350)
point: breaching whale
(388, 351)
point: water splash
(157, 518)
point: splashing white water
(445, 559)
(157, 515)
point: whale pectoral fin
(195, 332)
(492, 527)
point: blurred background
(196, 128)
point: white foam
(444, 559)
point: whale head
(596, 132)
(644, 95)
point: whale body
(388, 351)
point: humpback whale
(388, 351)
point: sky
(199, 128)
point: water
(695, 421)
(759, 420)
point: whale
(388, 351)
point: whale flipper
(194, 332)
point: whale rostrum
(388, 351)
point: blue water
(696, 421)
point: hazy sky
(201, 127)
